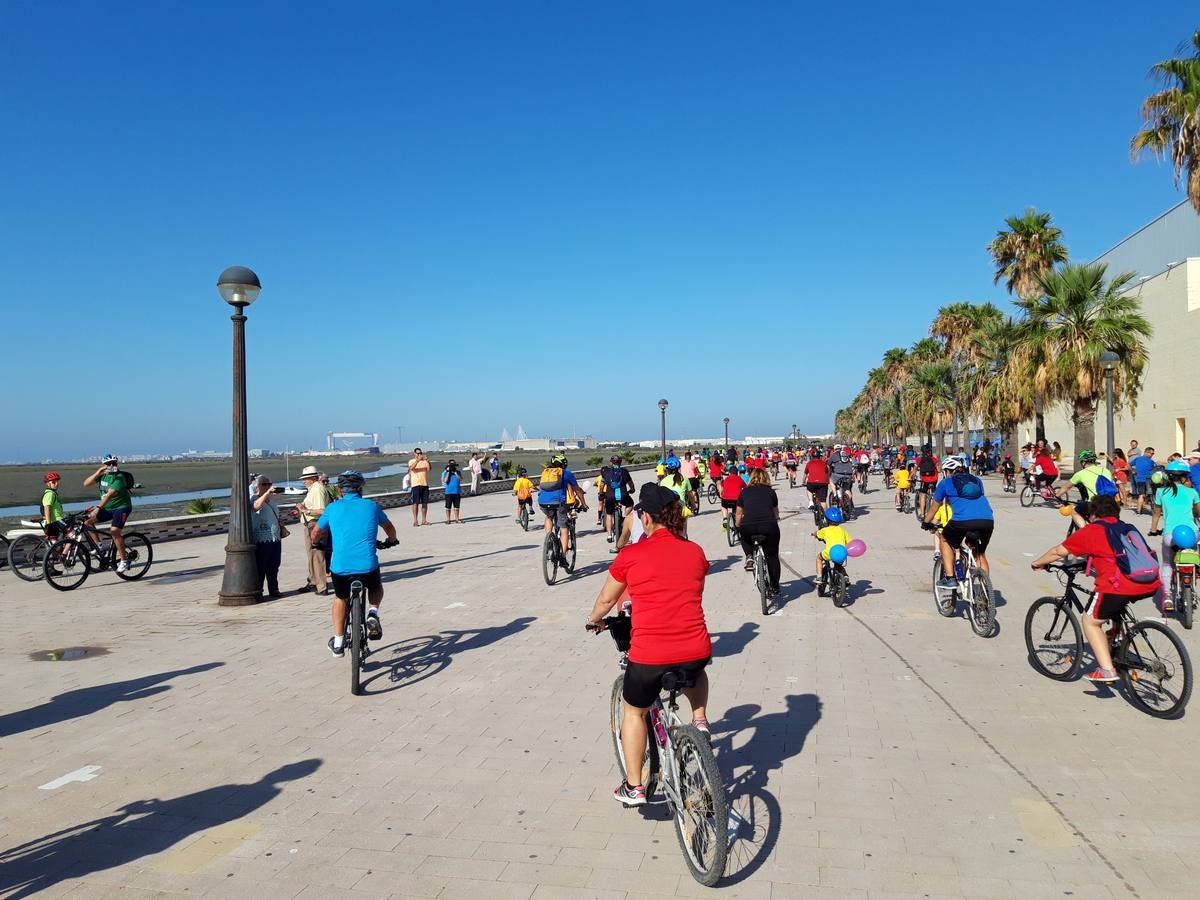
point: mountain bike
(762, 578)
(834, 581)
(69, 562)
(973, 586)
(1152, 661)
(679, 764)
(552, 555)
(356, 627)
(26, 556)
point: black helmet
(522, 471)
(351, 481)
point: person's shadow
(85, 701)
(754, 810)
(418, 658)
(731, 643)
(138, 829)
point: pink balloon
(856, 547)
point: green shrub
(506, 467)
(594, 461)
(200, 506)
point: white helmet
(950, 463)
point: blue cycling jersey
(353, 523)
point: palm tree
(1078, 316)
(1172, 119)
(878, 387)
(928, 400)
(896, 367)
(1000, 392)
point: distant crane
(344, 436)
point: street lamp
(726, 421)
(662, 407)
(241, 584)
(1109, 360)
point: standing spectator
(1057, 452)
(476, 468)
(452, 491)
(1143, 467)
(418, 475)
(1193, 461)
(1120, 471)
(268, 535)
(315, 501)
(333, 490)
(1133, 450)
(494, 465)
(1025, 458)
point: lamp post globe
(241, 584)
(1109, 360)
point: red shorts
(1110, 606)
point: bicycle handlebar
(384, 545)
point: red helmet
(50, 476)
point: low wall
(177, 528)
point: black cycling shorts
(926, 487)
(341, 583)
(1110, 606)
(610, 504)
(728, 504)
(819, 491)
(955, 532)
(643, 683)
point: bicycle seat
(675, 680)
(757, 539)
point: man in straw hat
(310, 510)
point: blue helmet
(741, 468)
(833, 516)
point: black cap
(654, 498)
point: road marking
(454, 606)
(208, 848)
(1043, 825)
(87, 773)
(1003, 561)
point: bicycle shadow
(415, 659)
(793, 590)
(731, 643)
(138, 829)
(85, 701)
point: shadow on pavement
(415, 659)
(184, 574)
(724, 563)
(139, 829)
(85, 701)
(731, 643)
(433, 567)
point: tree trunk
(1011, 439)
(874, 422)
(1039, 421)
(1083, 417)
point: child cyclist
(1009, 473)
(903, 484)
(831, 534)
(523, 491)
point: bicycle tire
(3, 551)
(840, 584)
(731, 533)
(704, 804)
(1026, 496)
(946, 607)
(983, 604)
(523, 518)
(1142, 664)
(762, 580)
(1185, 602)
(616, 717)
(550, 557)
(138, 547)
(356, 636)
(67, 565)
(26, 557)
(1055, 655)
(571, 548)
(916, 510)
(714, 496)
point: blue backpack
(1105, 486)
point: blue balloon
(838, 553)
(1183, 537)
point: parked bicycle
(679, 764)
(1152, 661)
(26, 555)
(973, 587)
(69, 562)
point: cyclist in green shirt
(52, 510)
(116, 502)
(1085, 479)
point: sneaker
(947, 583)
(1168, 605)
(724, 524)
(749, 565)
(627, 795)
(700, 723)
(374, 626)
(337, 651)
(1102, 676)
(123, 566)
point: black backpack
(926, 466)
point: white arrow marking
(87, 773)
(454, 606)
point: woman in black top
(758, 513)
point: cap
(654, 498)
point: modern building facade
(1165, 259)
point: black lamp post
(662, 408)
(1109, 360)
(726, 421)
(241, 584)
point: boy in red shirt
(1113, 589)
(816, 479)
(731, 489)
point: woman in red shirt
(664, 573)
(1045, 462)
(1113, 589)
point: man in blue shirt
(552, 497)
(1143, 467)
(970, 512)
(354, 521)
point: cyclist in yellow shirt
(831, 534)
(601, 489)
(523, 491)
(903, 483)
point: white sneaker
(122, 566)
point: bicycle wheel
(355, 636)
(714, 495)
(1185, 602)
(762, 580)
(523, 517)
(67, 565)
(26, 556)
(916, 509)
(983, 604)
(1053, 638)
(550, 557)
(731, 533)
(943, 598)
(1156, 669)
(702, 821)
(617, 717)
(569, 564)
(1027, 496)
(3, 551)
(139, 553)
(839, 588)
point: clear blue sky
(456, 205)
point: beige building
(1165, 257)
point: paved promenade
(874, 751)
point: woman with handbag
(268, 534)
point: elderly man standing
(476, 467)
(310, 510)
